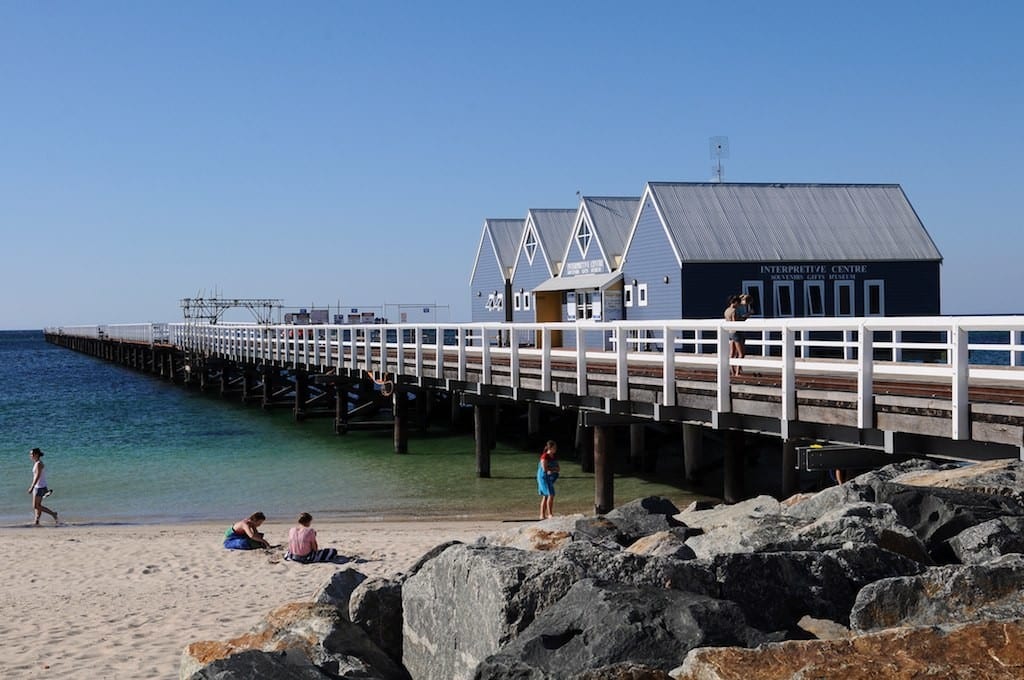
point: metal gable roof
(764, 222)
(505, 235)
(612, 218)
(553, 225)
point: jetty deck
(869, 387)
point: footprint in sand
(151, 569)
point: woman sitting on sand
(245, 535)
(302, 545)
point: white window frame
(846, 284)
(778, 286)
(526, 300)
(489, 305)
(515, 301)
(627, 295)
(499, 302)
(530, 245)
(808, 285)
(641, 295)
(868, 284)
(584, 235)
(759, 287)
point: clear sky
(320, 152)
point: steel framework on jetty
(879, 387)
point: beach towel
(321, 555)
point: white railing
(933, 349)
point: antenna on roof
(719, 150)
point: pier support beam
(341, 408)
(641, 459)
(693, 451)
(604, 471)
(790, 473)
(268, 385)
(585, 445)
(733, 491)
(532, 419)
(301, 394)
(400, 409)
(483, 435)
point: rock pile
(911, 571)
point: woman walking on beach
(38, 487)
(547, 473)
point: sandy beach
(122, 601)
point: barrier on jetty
(948, 386)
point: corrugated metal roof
(612, 218)
(505, 234)
(553, 225)
(579, 282)
(764, 222)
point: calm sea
(123, 447)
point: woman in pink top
(302, 545)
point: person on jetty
(735, 312)
(547, 473)
(245, 534)
(38, 487)
(302, 545)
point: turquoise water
(126, 447)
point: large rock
(256, 664)
(722, 515)
(943, 595)
(376, 607)
(643, 517)
(467, 602)
(864, 487)
(302, 635)
(745, 534)
(989, 650)
(859, 523)
(987, 541)
(599, 624)
(671, 543)
(1004, 477)
(775, 590)
(338, 589)
(549, 534)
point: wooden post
(637, 454)
(341, 408)
(693, 450)
(532, 419)
(456, 409)
(482, 424)
(225, 379)
(422, 413)
(790, 473)
(585, 446)
(268, 385)
(301, 394)
(604, 472)
(733, 491)
(400, 409)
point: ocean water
(124, 447)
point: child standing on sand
(547, 473)
(38, 486)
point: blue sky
(320, 152)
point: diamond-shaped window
(531, 245)
(583, 238)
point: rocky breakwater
(910, 571)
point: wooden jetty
(869, 388)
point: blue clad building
(490, 283)
(589, 284)
(797, 249)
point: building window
(526, 301)
(814, 298)
(583, 238)
(874, 297)
(783, 298)
(531, 245)
(627, 295)
(844, 298)
(755, 289)
(641, 295)
(516, 302)
(586, 302)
